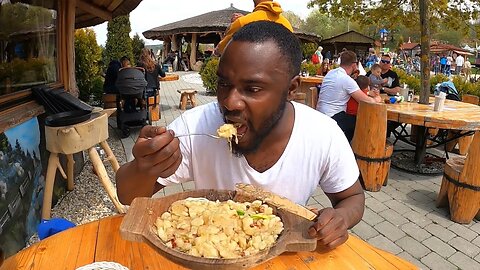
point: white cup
(439, 103)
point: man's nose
(234, 100)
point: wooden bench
(300, 98)
(370, 147)
(187, 96)
(460, 187)
(169, 77)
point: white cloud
(153, 13)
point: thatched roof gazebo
(207, 28)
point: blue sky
(28, 134)
(153, 13)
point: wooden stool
(187, 96)
(73, 139)
(154, 107)
(460, 187)
(371, 150)
(464, 141)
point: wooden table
(305, 84)
(101, 241)
(456, 115)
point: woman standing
(152, 72)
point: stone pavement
(401, 218)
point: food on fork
(214, 229)
(228, 131)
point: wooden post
(70, 163)
(425, 52)
(49, 182)
(110, 156)
(193, 51)
(66, 46)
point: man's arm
(361, 96)
(392, 91)
(331, 227)
(157, 154)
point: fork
(198, 134)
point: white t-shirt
(335, 92)
(459, 60)
(317, 154)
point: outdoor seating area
(401, 218)
(206, 152)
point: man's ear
(294, 87)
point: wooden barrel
(460, 187)
(371, 151)
(110, 101)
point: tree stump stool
(372, 153)
(460, 187)
(187, 96)
(72, 139)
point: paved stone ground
(401, 218)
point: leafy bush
(208, 72)
(310, 67)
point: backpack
(315, 59)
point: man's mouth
(241, 128)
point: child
(352, 105)
(376, 80)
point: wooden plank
(22, 260)
(19, 114)
(94, 10)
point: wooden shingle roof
(209, 24)
(93, 12)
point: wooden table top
(311, 79)
(100, 241)
(455, 115)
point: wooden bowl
(139, 225)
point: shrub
(208, 72)
(310, 67)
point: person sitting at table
(337, 88)
(283, 146)
(392, 86)
(375, 77)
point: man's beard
(266, 128)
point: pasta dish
(214, 229)
(228, 131)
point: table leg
(421, 146)
(110, 156)
(70, 164)
(49, 182)
(104, 179)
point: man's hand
(157, 152)
(330, 229)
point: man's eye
(254, 89)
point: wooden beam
(94, 10)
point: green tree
(137, 44)
(118, 43)
(87, 70)
(452, 14)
